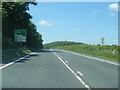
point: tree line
(60, 43)
(15, 15)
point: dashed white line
(66, 62)
(98, 59)
(79, 73)
(72, 71)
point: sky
(85, 22)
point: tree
(15, 16)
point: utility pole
(102, 42)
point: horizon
(80, 42)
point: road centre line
(98, 59)
(6, 65)
(72, 71)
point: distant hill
(60, 43)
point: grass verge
(11, 55)
(102, 54)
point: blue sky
(85, 22)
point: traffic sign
(20, 35)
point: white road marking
(98, 59)
(6, 65)
(79, 73)
(66, 62)
(72, 71)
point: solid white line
(72, 71)
(6, 65)
(98, 59)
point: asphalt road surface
(59, 69)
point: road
(58, 69)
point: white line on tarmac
(6, 65)
(79, 73)
(72, 71)
(98, 59)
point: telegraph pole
(102, 42)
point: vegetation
(109, 52)
(15, 16)
(11, 55)
(60, 43)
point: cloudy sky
(85, 22)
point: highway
(54, 68)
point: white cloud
(45, 23)
(113, 14)
(97, 11)
(113, 6)
(74, 29)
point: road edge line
(6, 65)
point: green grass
(99, 54)
(7, 56)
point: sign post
(20, 35)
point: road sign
(20, 35)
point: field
(109, 52)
